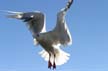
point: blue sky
(88, 24)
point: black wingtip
(70, 2)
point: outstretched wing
(61, 26)
(35, 21)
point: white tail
(44, 55)
(61, 56)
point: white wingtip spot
(16, 16)
(19, 16)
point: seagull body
(51, 41)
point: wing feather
(61, 28)
(35, 21)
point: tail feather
(61, 56)
(44, 55)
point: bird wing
(68, 5)
(35, 21)
(61, 28)
(64, 34)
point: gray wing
(61, 26)
(34, 20)
(36, 23)
(63, 32)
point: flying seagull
(51, 41)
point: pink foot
(54, 66)
(49, 64)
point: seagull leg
(54, 64)
(49, 62)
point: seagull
(51, 41)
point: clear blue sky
(88, 24)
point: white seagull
(51, 41)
